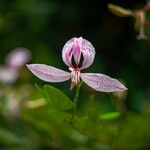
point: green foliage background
(104, 121)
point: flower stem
(75, 100)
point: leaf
(9, 137)
(78, 137)
(119, 11)
(35, 103)
(110, 115)
(56, 99)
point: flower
(14, 61)
(18, 57)
(139, 16)
(77, 54)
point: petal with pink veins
(67, 52)
(76, 47)
(103, 83)
(88, 52)
(49, 73)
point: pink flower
(77, 54)
(14, 61)
(18, 57)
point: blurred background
(43, 27)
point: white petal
(18, 57)
(88, 52)
(49, 73)
(101, 82)
(66, 54)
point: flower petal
(88, 52)
(49, 73)
(18, 57)
(101, 82)
(76, 47)
(67, 52)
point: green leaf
(56, 99)
(119, 11)
(110, 116)
(78, 137)
(7, 136)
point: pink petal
(67, 52)
(88, 52)
(49, 73)
(101, 82)
(18, 57)
(77, 49)
(74, 47)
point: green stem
(75, 100)
(90, 104)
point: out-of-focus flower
(138, 15)
(77, 54)
(16, 59)
(8, 74)
(140, 23)
(146, 7)
(120, 11)
(13, 106)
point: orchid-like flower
(16, 59)
(77, 54)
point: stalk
(75, 100)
